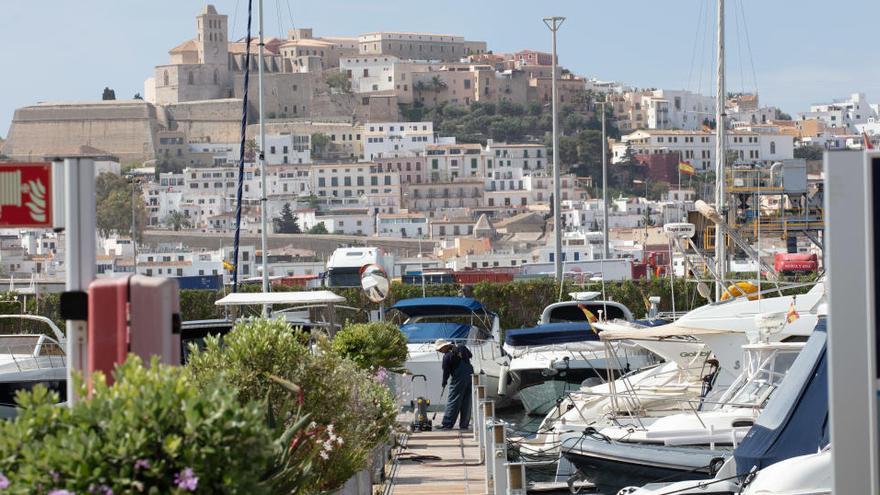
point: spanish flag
(589, 314)
(792, 314)
(228, 266)
(868, 144)
(685, 168)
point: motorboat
(786, 450)
(702, 350)
(456, 319)
(29, 358)
(693, 442)
(549, 361)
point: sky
(795, 52)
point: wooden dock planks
(457, 471)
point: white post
(79, 261)
(489, 447)
(720, 158)
(499, 462)
(554, 23)
(264, 214)
(477, 381)
(480, 422)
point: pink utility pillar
(135, 314)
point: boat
(550, 360)
(693, 443)
(28, 359)
(787, 449)
(457, 319)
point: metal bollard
(489, 447)
(480, 422)
(499, 462)
(516, 479)
(477, 380)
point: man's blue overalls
(457, 370)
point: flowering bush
(349, 412)
(153, 431)
(372, 345)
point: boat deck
(439, 462)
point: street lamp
(647, 215)
(554, 23)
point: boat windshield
(763, 371)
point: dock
(438, 462)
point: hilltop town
(430, 146)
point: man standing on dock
(457, 371)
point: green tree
(176, 221)
(320, 144)
(339, 81)
(286, 223)
(108, 94)
(809, 152)
(113, 206)
(318, 228)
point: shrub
(342, 401)
(151, 432)
(372, 345)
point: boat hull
(612, 465)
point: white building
(369, 73)
(395, 139)
(174, 262)
(662, 109)
(285, 148)
(698, 148)
(509, 158)
(413, 225)
(843, 112)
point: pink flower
(186, 480)
(4, 482)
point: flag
(868, 144)
(589, 314)
(792, 314)
(686, 168)
(228, 266)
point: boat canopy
(295, 297)
(439, 306)
(552, 333)
(795, 420)
(623, 330)
(420, 333)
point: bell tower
(212, 37)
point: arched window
(190, 78)
(772, 147)
(165, 78)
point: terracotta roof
(186, 46)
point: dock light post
(554, 23)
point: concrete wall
(124, 128)
(218, 121)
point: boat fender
(503, 377)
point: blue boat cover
(552, 333)
(420, 333)
(795, 420)
(438, 306)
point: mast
(554, 23)
(264, 215)
(720, 158)
(605, 254)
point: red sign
(25, 195)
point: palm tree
(418, 87)
(177, 220)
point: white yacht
(456, 319)
(692, 442)
(786, 452)
(30, 358)
(563, 352)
